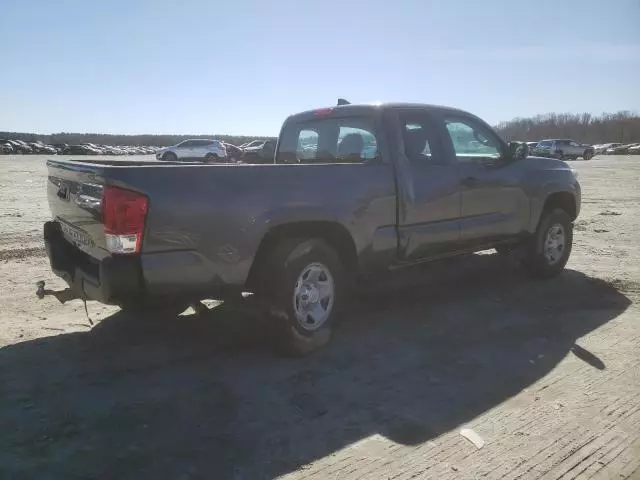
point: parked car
(262, 153)
(532, 147)
(564, 149)
(59, 147)
(253, 143)
(634, 150)
(81, 150)
(21, 147)
(98, 149)
(234, 154)
(620, 149)
(298, 232)
(197, 149)
(6, 148)
(42, 148)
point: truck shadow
(206, 398)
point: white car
(196, 149)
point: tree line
(620, 127)
(128, 140)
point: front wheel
(303, 286)
(588, 155)
(169, 157)
(551, 245)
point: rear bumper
(176, 276)
(112, 280)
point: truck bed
(205, 223)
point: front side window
(470, 141)
(328, 140)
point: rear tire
(303, 286)
(169, 157)
(211, 157)
(550, 247)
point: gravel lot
(547, 373)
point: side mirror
(518, 150)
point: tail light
(123, 215)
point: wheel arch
(334, 233)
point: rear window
(328, 140)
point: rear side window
(418, 136)
(328, 140)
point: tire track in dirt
(22, 253)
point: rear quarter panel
(217, 215)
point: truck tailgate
(75, 192)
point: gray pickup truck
(352, 190)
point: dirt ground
(547, 373)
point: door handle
(469, 181)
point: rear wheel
(550, 247)
(211, 157)
(169, 157)
(303, 286)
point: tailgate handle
(87, 201)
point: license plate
(76, 236)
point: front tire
(303, 286)
(550, 247)
(169, 157)
(588, 155)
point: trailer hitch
(61, 295)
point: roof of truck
(363, 107)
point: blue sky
(242, 66)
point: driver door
(494, 206)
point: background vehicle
(564, 149)
(621, 149)
(262, 153)
(299, 231)
(41, 148)
(20, 146)
(234, 153)
(196, 149)
(80, 150)
(253, 143)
